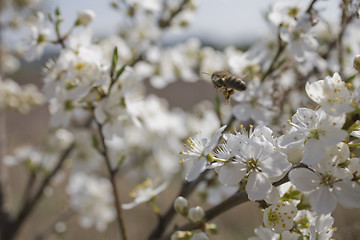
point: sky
(218, 21)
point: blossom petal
(348, 194)
(314, 151)
(304, 179)
(214, 140)
(333, 136)
(323, 201)
(198, 167)
(292, 139)
(258, 186)
(232, 173)
(275, 165)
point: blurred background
(241, 23)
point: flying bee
(227, 83)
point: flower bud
(357, 63)
(181, 204)
(196, 214)
(85, 17)
(199, 236)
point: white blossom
(86, 16)
(92, 198)
(40, 33)
(331, 94)
(145, 192)
(197, 150)
(316, 130)
(327, 182)
(280, 217)
(252, 154)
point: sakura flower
(85, 17)
(299, 37)
(322, 228)
(39, 37)
(197, 152)
(121, 105)
(145, 192)
(316, 130)
(92, 198)
(286, 11)
(252, 154)
(331, 94)
(327, 182)
(280, 217)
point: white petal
(304, 179)
(198, 167)
(314, 151)
(292, 139)
(348, 194)
(273, 197)
(258, 186)
(333, 136)
(315, 90)
(322, 200)
(232, 173)
(214, 140)
(275, 165)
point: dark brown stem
(345, 20)
(63, 217)
(281, 47)
(28, 207)
(233, 201)
(166, 22)
(186, 189)
(112, 177)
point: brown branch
(186, 189)
(165, 23)
(233, 201)
(112, 177)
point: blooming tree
(289, 142)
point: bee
(227, 83)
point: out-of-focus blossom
(20, 98)
(40, 33)
(85, 17)
(299, 37)
(255, 103)
(91, 197)
(331, 94)
(145, 192)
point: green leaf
(121, 159)
(95, 141)
(114, 62)
(121, 70)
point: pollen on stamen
(288, 121)
(287, 131)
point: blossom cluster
(288, 142)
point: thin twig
(281, 47)
(233, 201)
(63, 217)
(186, 189)
(112, 173)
